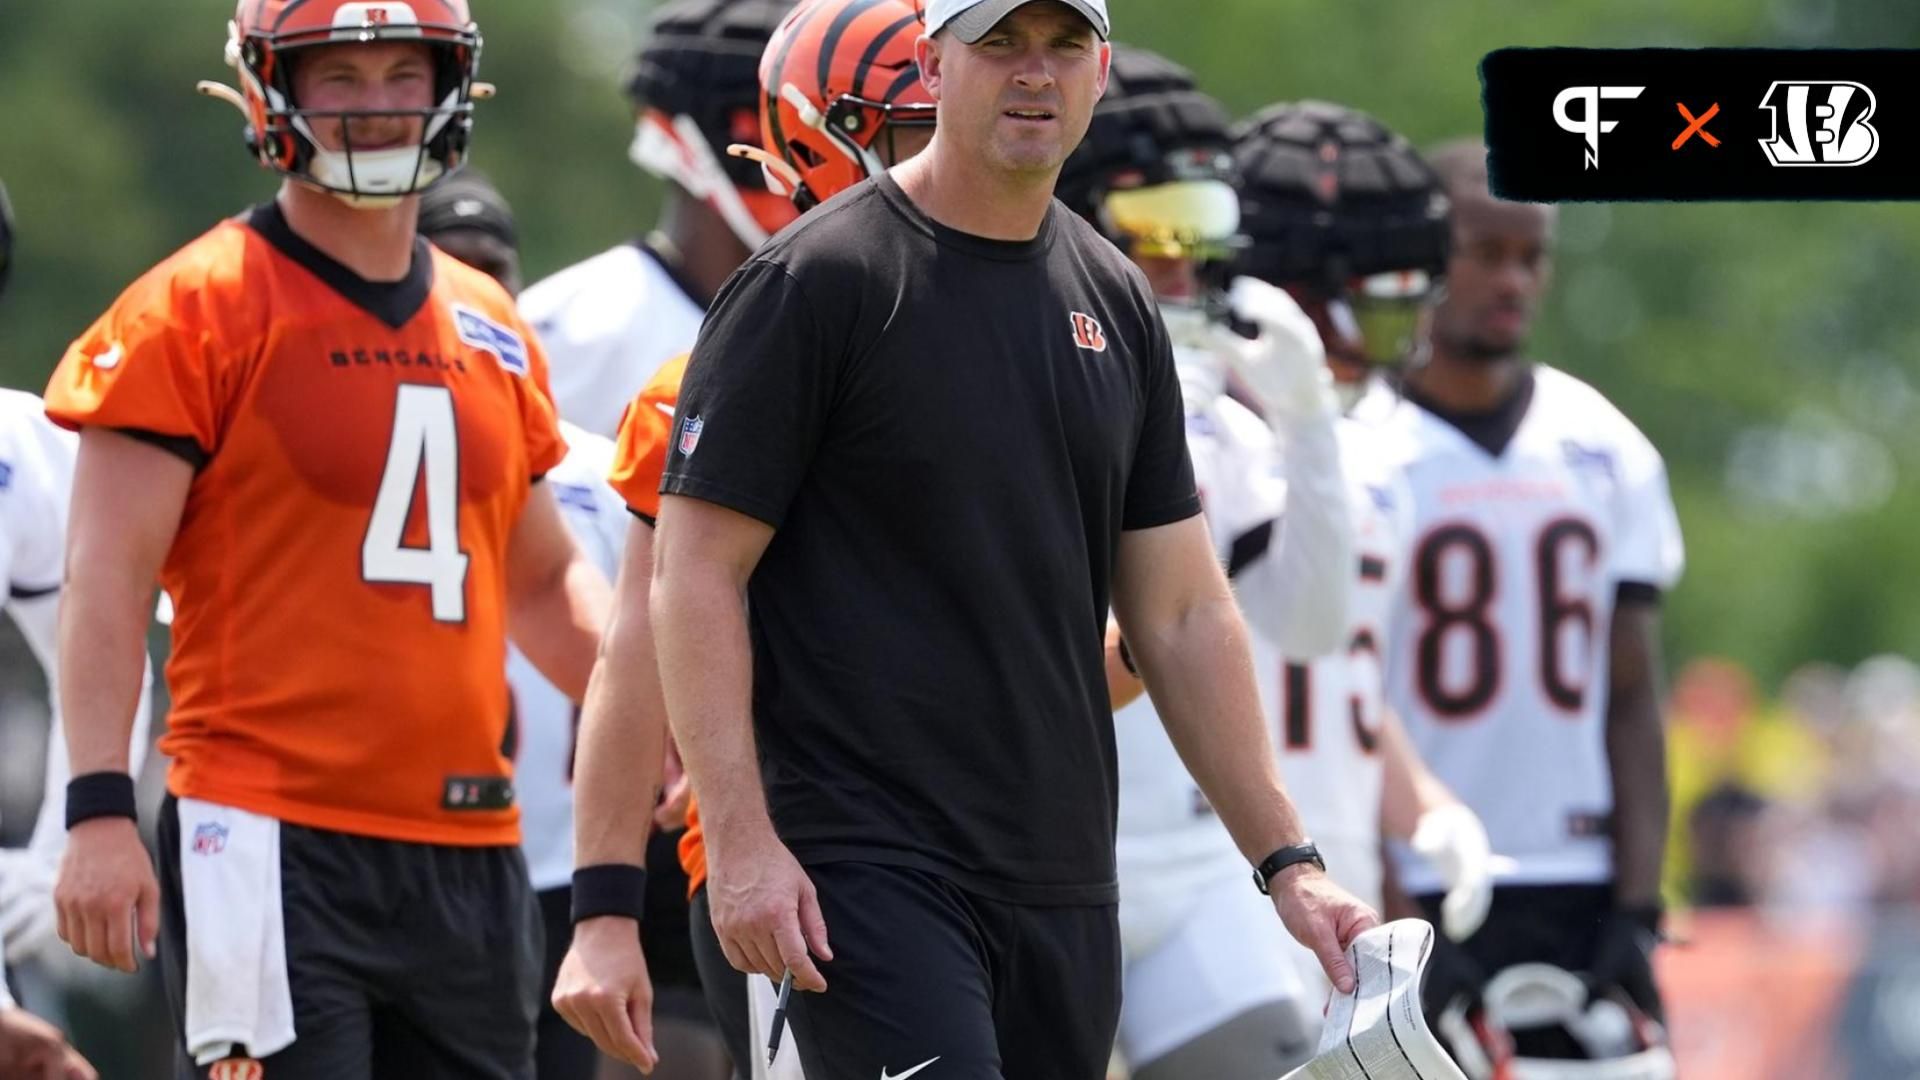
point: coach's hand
(604, 990)
(106, 894)
(765, 911)
(1322, 916)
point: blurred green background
(1768, 349)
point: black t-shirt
(948, 434)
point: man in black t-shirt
(925, 434)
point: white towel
(1377, 1032)
(237, 990)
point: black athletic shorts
(664, 923)
(561, 1052)
(406, 961)
(925, 971)
(725, 987)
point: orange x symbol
(1697, 125)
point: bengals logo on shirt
(1087, 333)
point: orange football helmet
(261, 40)
(838, 82)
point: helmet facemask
(285, 136)
(1381, 315)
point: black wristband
(1292, 855)
(609, 889)
(100, 794)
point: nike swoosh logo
(885, 1075)
(110, 359)
(663, 407)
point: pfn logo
(1589, 125)
(1826, 124)
(1087, 333)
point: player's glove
(1452, 838)
(1286, 365)
(1623, 956)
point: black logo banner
(1583, 125)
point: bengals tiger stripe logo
(1087, 333)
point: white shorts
(762, 999)
(1229, 954)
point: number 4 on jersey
(424, 441)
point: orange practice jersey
(639, 459)
(339, 574)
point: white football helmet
(1540, 1022)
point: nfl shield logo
(237, 1069)
(209, 838)
(690, 435)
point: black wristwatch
(1292, 855)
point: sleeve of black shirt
(756, 396)
(1160, 487)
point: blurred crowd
(1803, 800)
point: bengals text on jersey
(362, 453)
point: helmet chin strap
(780, 177)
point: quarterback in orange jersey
(325, 440)
(841, 101)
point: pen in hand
(779, 1017)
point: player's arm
(1187, 639)
(128, 495)
(557, 600)
(764, 908)
(1417, 807)
(1637, 758)
(1299, 593)
(1409, 790)
(604, 989)
(1637, 752)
